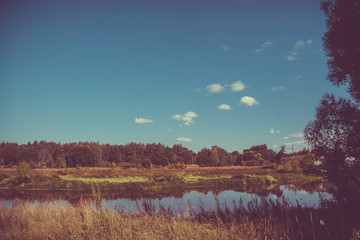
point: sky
(197, 73)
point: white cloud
(273, 131)
(248, 101)
(215, 88)
(298, 77)
(224, 107)
(299, 44)
(170, 130)
(237, 86)
(225, 47)
(143, 120)
(266, 44)
(278, 88)
(292, 56)
(296, 135)
(297, 145)
(184, 139)
(187, 118)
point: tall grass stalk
(264, 219)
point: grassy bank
(260, 220)
(241, 178)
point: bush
(23, 170)
(180, 165)
(146, 163)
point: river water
(179, 202)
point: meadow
(84, 178)
(259, 220)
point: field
(150, 179)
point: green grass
(104, 180)
(191, 178)
(224, 178)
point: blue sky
(200, 73)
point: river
(179, 202)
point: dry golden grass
(260, 220)
(154, 172)
(54, 222)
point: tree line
(93, 154)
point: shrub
(179, 165)
(23, 172)
(146, 163)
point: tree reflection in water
(178, 201)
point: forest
(93, 154)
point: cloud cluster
(266, 44)
(237, 86)
(273, 131)
(184, 139)
(277, 88)
(299, 44)
(224, 107)
(225, 47)
(218, 88)
(293, 56)
(248, 101)
(294, 135)
(143, 120)
(215, 88)
(187, 118)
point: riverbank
(158, 179)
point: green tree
(341, 43)
(335, 131)
(252, 158)
(81, 155)
(203, 157)
(23, 171)
(279, 155)
(146, 163)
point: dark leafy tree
(146, 163)
(252, 158)
(26, 154)
(267, 154)
(44, 158)
(335, 133)
(342, 43)
(8, 153)
(81, 155)
(203, 157)
(236, 158)
(280, 155)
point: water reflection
(178, 201)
